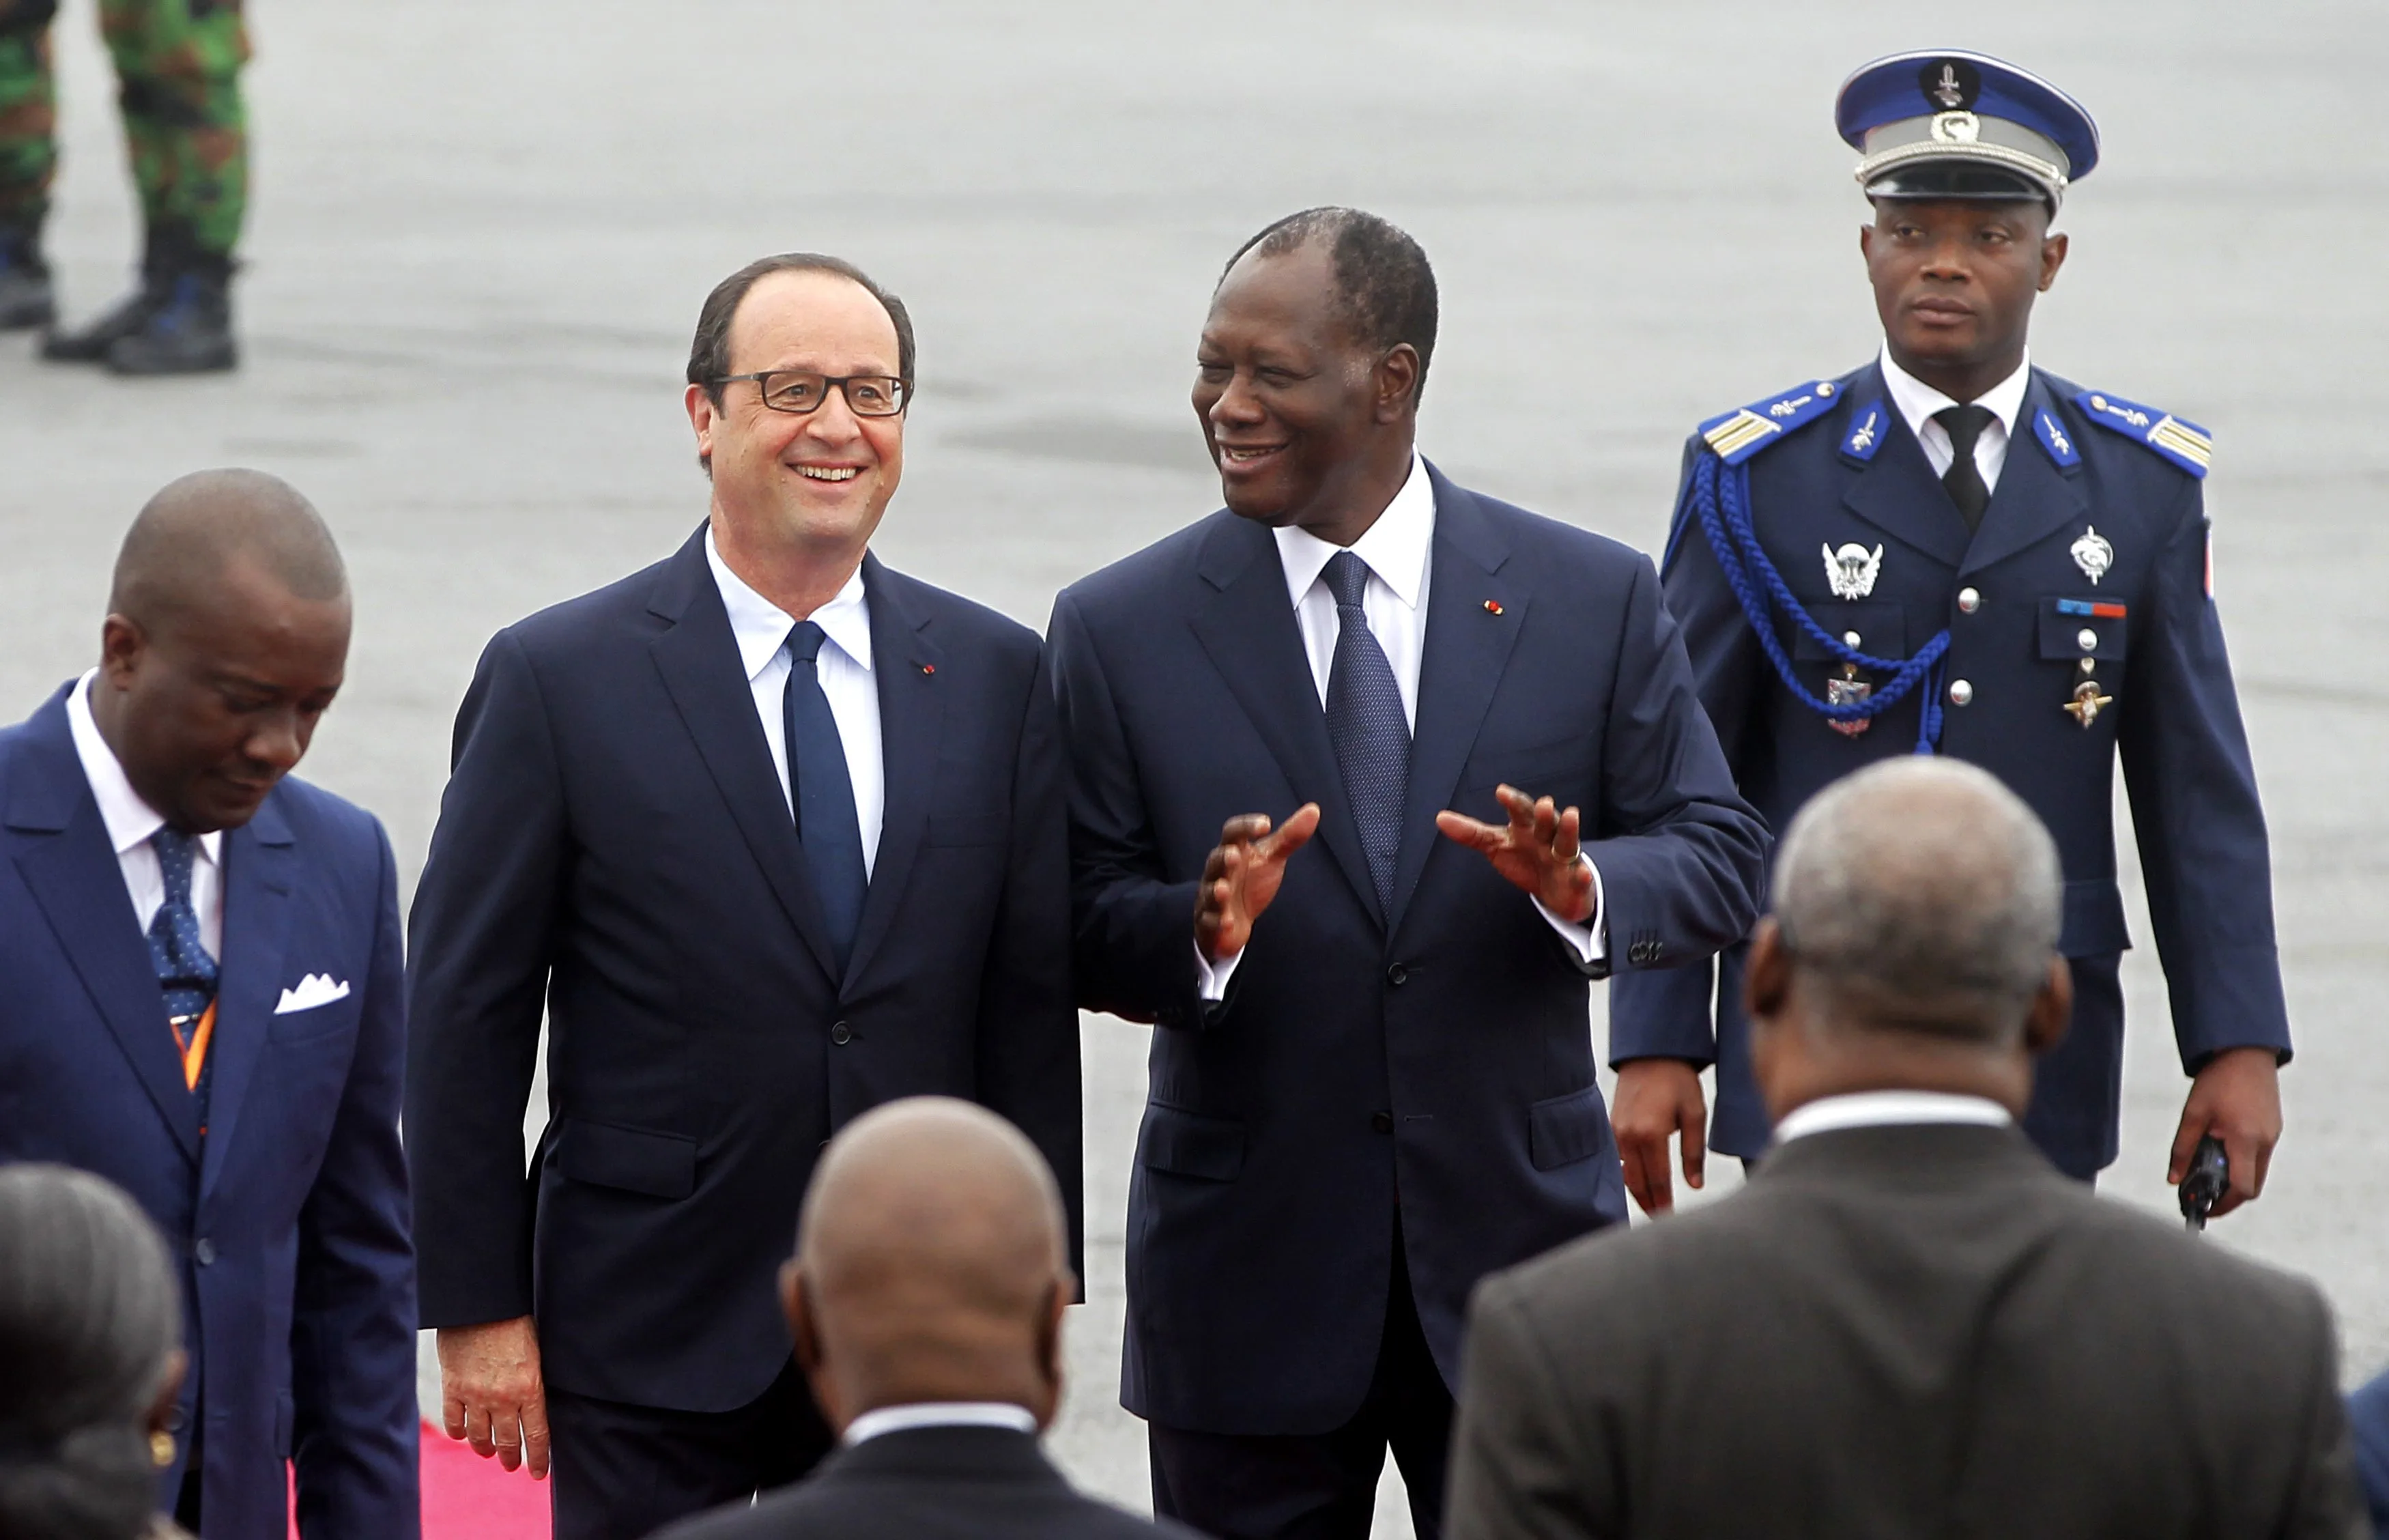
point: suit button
(1642, 951)
(841, 1033)
(206, 1252)
(175, 1419)
(1382, 1122)
(1961, 692)
(1969, 601)
(1397, 975)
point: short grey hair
(1923, 893)
(89, 1315)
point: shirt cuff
(1591, 939)
(1211, 978)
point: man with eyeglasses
(774, 834)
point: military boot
(25, 297)
(186, 331)
(90, 344)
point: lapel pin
(1492, 606)
(928, 668)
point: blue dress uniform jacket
(2080, 472)
(614, 846)
(1430, 1077)
(287, 1219)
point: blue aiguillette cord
(1724, 509)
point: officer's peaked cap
(1948, 124)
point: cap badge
(1851, 570)
(1957, 128)
(2093, 555)
(1951, 83)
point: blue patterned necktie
(1366, 724)
(824, 792)
(186, 974)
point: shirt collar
(1917, 401)
(1880, 1108)
(761, 627)
(1395, 547)
(131, 821)
(940, 1414)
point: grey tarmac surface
(481, 233)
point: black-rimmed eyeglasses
(800, 390)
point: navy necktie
(1965, 478)
(1366, 724)
(186, 974)
(823, 793)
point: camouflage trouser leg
(29, 114)
(179, 64)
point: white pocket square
(315, 989)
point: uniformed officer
(1950, 551)
(178, 64)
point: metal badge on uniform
(2092, 554)
(2088, 700)
(1848, 691)
(1851, 570)
(1866, 432)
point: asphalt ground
(481, 233)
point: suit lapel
(1248, 628)
(1896, 491)
(260, 863)
(2034, 498)
(912, 719)
(698, 659)
(1473, 621)
(72, 873)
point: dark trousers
(1320, 1486)
(620, 1471)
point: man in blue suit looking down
(202, 1000)
(1372, 775)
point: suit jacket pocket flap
(2094, 919)
(1881, 627)
(1566, 1129)
(662, 1165)
(1191, 1144)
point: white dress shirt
(1397, 550)
(844, 668)
(1882, 1109)
(131, 821)
(938, 1414)
(1916, 402)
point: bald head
(190, 535)
(1922, 894)
(932, 1263)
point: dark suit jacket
(288, 1220)
(2368, 1419)
(2173, 723)
(1441, 1065)
(930, 1483)
(614, 847)
(1901, 1332)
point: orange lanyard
(195, 1047)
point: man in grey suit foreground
(1908, 1323)
(925, 1297)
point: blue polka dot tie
(1366, 724)
(186, 973)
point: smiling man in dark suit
(200, 1000)
(1372, 1077)
(774, 834)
